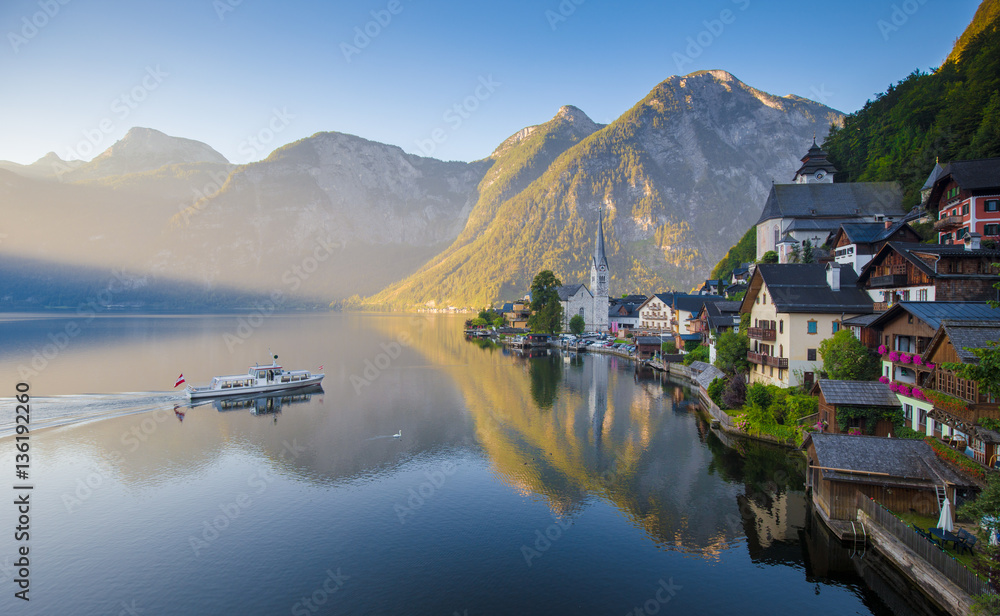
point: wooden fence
(955, 571)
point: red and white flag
(180, 380)
(321, 367)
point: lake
(519, 485)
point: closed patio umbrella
(944, 522)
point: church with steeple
(592, 304)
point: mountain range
(338, 218)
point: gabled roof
(933, 313)
(870, 232)
(708, 375)
(666, 298)
(849, 200)
(972, 175)
(964, 335)
(933, 177)
(913, 251)
(802, 287)
(569, 290)
(903, 461)
(858, 393)
(693, 303)
(647, 340)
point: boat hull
(200, 393)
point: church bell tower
(599, 278)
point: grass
(925, 522)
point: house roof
(802, 287)
(848, 200)
(722, 314)
(708, 375)
(933, 177)
(912, 252)
(858, 393)
(862, 320)
(647, 340)
(569, 290)
(976, 174)
(735, 288)
(508, 307)
(965, 335)
(693, 303)
(744, 268)
(903, 461)
(872, 232)
(933, 313)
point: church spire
(599, 258)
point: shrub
(758, 396)
(735, 393)
(715, 391)
(700, 353)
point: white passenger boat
(259, 379)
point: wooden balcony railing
(948, 222)
(767, 360)
(763, 333)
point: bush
(758, 396)
(668, 348)
(699, 353)
(715, 391)
(910, 433)
(735, 393)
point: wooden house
(851, 396)
(930, 272)
(958, 403)
(855, 243)
(904, 475)
(966, 196)
(647, 347)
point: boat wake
(54, 411)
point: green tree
(985, 511)
(769, 257)
(577, 324)
(795, 256)
(846, 359)
(547, 312)
(731, 353)
(699, 353)
(807, 252)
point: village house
(623, 314)
(966, 196)
(793, 308)
(931, 272)
(855, 243)
(853, 400)
(685, 311)
(813, 207)
(900, 336)
(517, 313)
(961, 404)
(715, 319)
(576, 299)
(656, 313)
(901, 474)
(712, 287)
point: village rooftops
(933, 313)
(567, 291)
(925, 256)
(804, 287)
(965, 335)
(980, 175)
(847, 201)
(878, 460)
(857, 393)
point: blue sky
(247, 76)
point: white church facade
(577, 299)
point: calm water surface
(547, 485)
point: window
(836, 326)
(945, 238)
(781, 350)
(923, 419)
(908, 413)
(811, 354)
(581, 312)
(965, 210)
(781, 326)
(991, 230)
(961, 233)
(992, 205)
(813, 327)
(921, 295)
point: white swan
(398, 434)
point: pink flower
(894, 387)
(883, 379)
(916, 393)
(905, 358)
(894, 356)
(917, 361)
(882, 349)
(905, 390)
(930, 366)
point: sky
(442, 78)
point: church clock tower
(599, 278)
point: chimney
(888, 224)
(972, 241)
(833, 276)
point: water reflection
(265, 405)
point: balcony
(767, 360)
(949, 222)
(894, 280)
(880, 306)
(763, 333)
